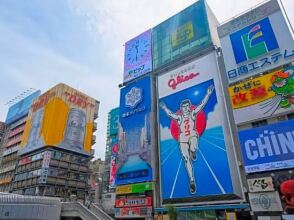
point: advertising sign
(130, 202)
(266, 96)
(113, 119)
(138, 56)
(262, 184)
(62, 117)
(265, 202)
(193, 129)
(21, 108)
(134, 188)
(133, 212)
(256, 46)
(135, 134)
(181, 34)
(113, 163)
(268, 147)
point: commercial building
(108, 179)
(258, 52)
(55, 150)
(14, 128)
(97, 171)
(2, 128)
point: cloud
(165, 133)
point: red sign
(43, 100)
(132, 202)
(25, 160)
(78, 99)
(174, 82)
(133, 212)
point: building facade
(14, 128)
(55, 150)
(97, 168)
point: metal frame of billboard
(230, 127)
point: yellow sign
(231, 216)
(253, 91)
(62, 117)
(123, 189)
(182, 34)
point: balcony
(93, 139)
(95, 126)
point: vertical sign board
(134, 154)
(256, 42)
(113, 121)
(265, 202)
(266, 95)
(62, 117)
(138, 56)
(21, 108)
(181, 34)
(193, 131)
(113, 162)
(268, 147)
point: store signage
(266, 96)
(130, 202)
(45, 167)
(134, 188)
(262, 184)
(265, 202)
(268, 147)
(133, 212)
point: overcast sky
(80, 43)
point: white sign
(265, 202)
(262, 184)
(256, 47)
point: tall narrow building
(56, 148)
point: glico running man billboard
(268, 147)
(21, 108)
(134, 156)
(255, 42)
(62, 117)
(266, 95)
(194, 137)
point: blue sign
(193, 155)
(113, 117)
(134, 156)
(253, 41)
(21, 108)
(268, 147)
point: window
(290, 116)
(259, 123)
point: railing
(99, 212)
(73, 209)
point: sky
(81, 43)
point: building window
(290, 116)
(259, 123)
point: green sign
(186, 32)
(134, 188)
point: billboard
(138, 56)
(21, 108)
(133, 201)
(265, 202)
(256, 42)
(113, 162)
(134, 155)
(269, 147)
(133, 212)
(181, 34)
(62, 117)
(134, 188)
(113, 118)
(266, 95)
(193, 130)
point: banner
(134, 155)
(130, 202)
(138, 56)
(193, 129)
(181, 34)
(255, 42)
(266, 96)
(113, 163)
(62, 117)
(21, 108)
(265, 202)
(268, 147)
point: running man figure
(189, 137)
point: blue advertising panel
(138, 56)
(268, 147)
(113, 121)
(193, 150)
(134, 156)
(181, 34)
(21, 108)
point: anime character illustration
(186, 119)
(283, 86)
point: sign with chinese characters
(133, 212)
(113, 117)
(268, 147)
(138, 56)
(45, 167)
(134, 163)
(181, 34)
(262, 184)
(257, 46)
(265, 202)
(266, 95)
(192, 128)
(131, 202)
